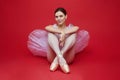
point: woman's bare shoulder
(76, 27)
(49, 25)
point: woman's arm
(51, 29)
(72, 30)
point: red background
(99, 61)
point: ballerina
(59, 43)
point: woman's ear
(66, 16)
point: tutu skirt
(38, 44)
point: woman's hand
(62, 38)
(62, 43)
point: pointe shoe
(63, 65)
(53, 66)
(65, 68)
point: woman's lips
(59, 21)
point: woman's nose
(58, 17)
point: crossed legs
(61, 57)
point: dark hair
(61, 9)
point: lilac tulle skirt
(38, 44)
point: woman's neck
(61, 26)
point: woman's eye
(61, 15)
(56, 16)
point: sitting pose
(58, 42)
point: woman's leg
(68, 49)
(50, 54)
(70, 55)
(51, 58)
(54, 44)
(78, 44)
(59, 59)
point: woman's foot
(63, 64)
(54, 64)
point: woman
(60, 43)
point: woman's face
(60, 17)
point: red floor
(99, 61)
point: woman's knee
(51, 36)
(83, 33)
(72, 38)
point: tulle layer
(38, 44)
